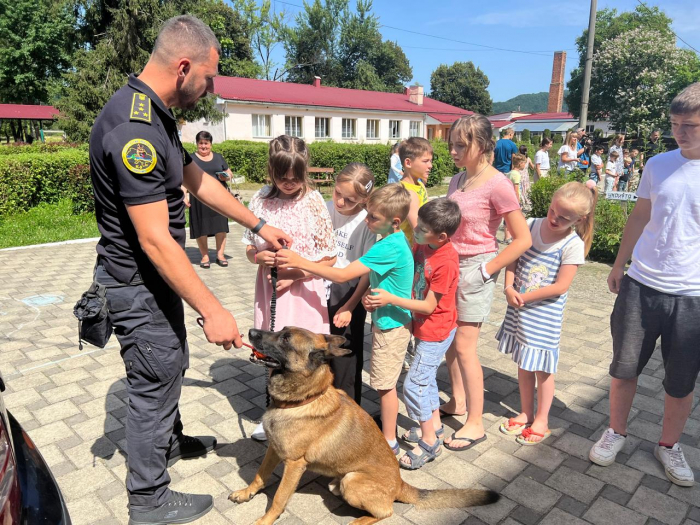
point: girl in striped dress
(536, 288)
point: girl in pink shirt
(485, 197)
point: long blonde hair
(582, 201)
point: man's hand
(514, 298)
(342, 318)
(277, 238)
(378, 298)
(265, 258)
(221, 329)
(288, 259)
(615, 279)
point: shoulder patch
(139, 156)
(140, 107)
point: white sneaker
(675, 465)
(259, 433)
(605, 450)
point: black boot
(180, 508)
(190, 447)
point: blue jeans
(621, 185)
(420, 386)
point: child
(515, 176)
(395, 167)
(434, 324)
(536, 288)
(542, 159)
(597, 165)
(611, 174)
(626, 174)
(525, 178)
(416, 156)
(345, 310)
(390, 267)
(290, 203)
(637, 166)
(485, 197)
(660, 295)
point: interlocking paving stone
(664, 508)
(604, 512)
(531, 494)
(574, 484)
(559, 517)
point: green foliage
(344, 48)
(557, 139)
(526, 103)
(462, 85)
(525, 135)
(547, 133)
(81, 193)
(40, 147)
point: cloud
(569, 15)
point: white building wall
(238, 123)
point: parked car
(29, 494)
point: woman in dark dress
(205, 222)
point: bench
(321, 176)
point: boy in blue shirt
(389, 264)
(503, 153)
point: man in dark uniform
(138, 165)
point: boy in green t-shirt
(389, 264)
(416, 156)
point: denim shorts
(420, 389)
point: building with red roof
(27, 112)
(261, 109)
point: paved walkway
(72, 405)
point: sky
(532, 31)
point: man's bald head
(185, 36)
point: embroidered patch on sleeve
(141, 107)
(139, 156)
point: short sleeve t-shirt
(611, 167)
(542, 158)
(391, 264)
(436, 271)
(352, 235)
(515, 176)
(503, 155)
(596, 160)
(573, 247)
(667, 254)
(571, 153)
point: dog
(311, 425)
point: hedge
(610, 216)
(40, 147)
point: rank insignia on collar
(139, 156)
(141, 107)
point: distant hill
(528, 103)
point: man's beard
(188, 97)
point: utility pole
(583, 119)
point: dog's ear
(335, 343)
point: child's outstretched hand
(378, 298)
(366, 303)
(514, 298)
(342, 318)
(287, 259)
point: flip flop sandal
(427, 455)
(470, 443)
(522, 438)
(205, 265)
(512, 431)
(413, 437)
(450, 414)
(222, 262)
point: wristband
(258, 226)
(486, 275)
(506, 288)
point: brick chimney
(556, 88)
(317, 81)
(415, 95)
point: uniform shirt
(436, 271)
(136, 157)
(391, 264)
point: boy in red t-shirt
(434, 323)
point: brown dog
(311, 425)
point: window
(323, 128)
(414, 129)
(261, 126)
(349, 128)
(292, 126)
(394, 129)
(372, 129)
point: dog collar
(295, 404)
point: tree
(609, 25)
(344, 48)
(35, 48)
(462, 85)
(635, 77)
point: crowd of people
(424, 269)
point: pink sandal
(522, 438)
(512, 431)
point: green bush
(81, 189)
(40, 147)
(525, 135)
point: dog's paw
(241, 496)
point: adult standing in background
(617, 144)
(137, 166)
(568, 157)
(653, 147)
(503, 153)
(205, 222)
(396, 168)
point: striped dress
(531, 334)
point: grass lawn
(46, 223)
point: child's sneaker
(259, 433)
(675, 465)
(605, 450)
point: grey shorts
(474, 296)
(641, 315)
